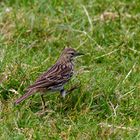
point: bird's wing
(58, 74)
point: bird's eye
(72, 53)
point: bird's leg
(63, 93)
(71, 89)
(43, 102)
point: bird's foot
(44, 110)
(71, 89)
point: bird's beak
(78, 54)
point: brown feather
(55, 77)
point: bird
(55, 77)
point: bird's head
(69, 54)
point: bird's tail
(26, 95)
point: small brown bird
(55, 78)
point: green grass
(106, 104)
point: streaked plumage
(55, 78)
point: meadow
(106, 103)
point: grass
(106, 104)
